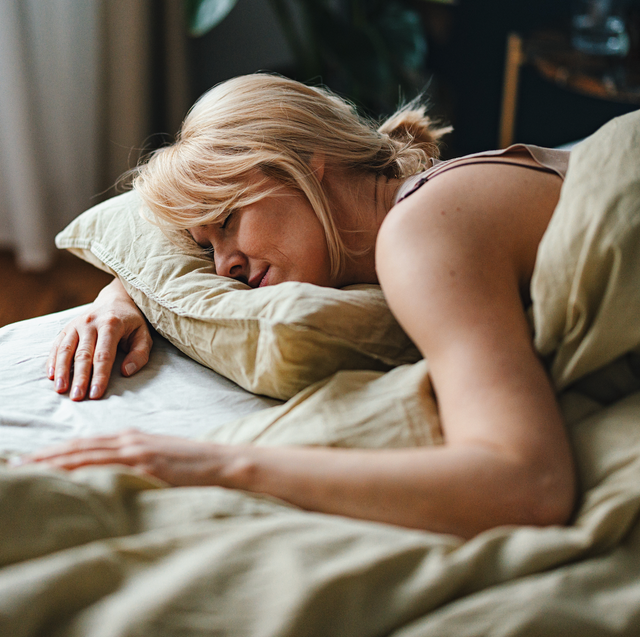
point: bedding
(105, 552)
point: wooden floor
(68, 283)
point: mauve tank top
(547, 159)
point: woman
(284, 182)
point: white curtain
(75, 107)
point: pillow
(275, 340)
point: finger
(140, 344)
(110, 441)
(124, 448)
(83, 363)
(103, 359)
(64, 359)
(53, 353)
(86, 458)
(71, 447)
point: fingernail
(16, 461)
(59, 384)
(76, 393)
(130, 368)
(95, 391)
(52, 372)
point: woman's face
(274, 240)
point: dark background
(469, 65)
(466, 54)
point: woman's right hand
(89, 343)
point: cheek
(300, 239)
(314, 259)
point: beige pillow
(274, 340)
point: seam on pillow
(65, 243)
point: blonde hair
(269, 126)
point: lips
(261, 279)
(265, 279)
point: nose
(231, 263)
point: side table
(614, 79)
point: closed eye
(226, 220)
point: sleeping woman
(283, 182)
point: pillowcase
(275, 340)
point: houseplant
(371, 51)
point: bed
(105, 552)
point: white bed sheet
(171, 395)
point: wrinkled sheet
(102, 552)
(170, 395)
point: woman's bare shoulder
(456, 211)
(459, 252)
(441, 260)
(489, 215)
(486, 189)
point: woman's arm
(85, 350)
(454, 263)
(460, 489)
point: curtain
(83, 83)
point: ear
(317, 165)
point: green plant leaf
(373, 51)
(203, 15)
(402, 30)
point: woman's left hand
(178, 461)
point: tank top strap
(547, 159)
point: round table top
(607, 77)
